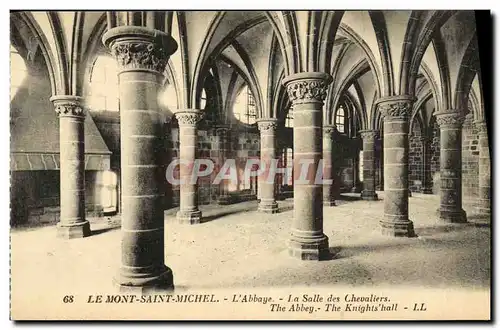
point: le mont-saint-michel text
(302, 303)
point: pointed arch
(468, 68)
(380, 28)
(51, 62)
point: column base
(146, 283)
(309, 248)
(268, 207)
(453, 216)
(189, 217)
(78, 230)
(369, 195)
(224, 200)
(355, 190)
(427, 191)
(329, 203)
(397, 229)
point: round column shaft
(450, 128)
(484, 193)
(142, 55)
(307, 91)
(368, 192)
(267, 180)
(188, 135)
(328, 171)
(72, 223)
(395, 111)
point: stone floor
(238, 247)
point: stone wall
(415, 163)
(244, 144)
(35, 196)
(470, 159)
(434, 158)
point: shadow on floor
(214, 215)
(103, 230)
(347, 198)
(450, 227)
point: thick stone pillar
(368, 192)
(395, 111)
(222, 132)
(307, 91)
(328, 170)
(188, 135)
(484, 193)
(142, 55)
(72, 223)
(450, 127)
(267, 128)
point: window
(18, 71)
(203, 100)
(340, 120)
(103, 91)
(244, 108)
(289, 118)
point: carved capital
(267, 125)
(449, 119)
(222, 130)
(68, 106)
(140, 48)
(424, 139)
(395, 108)
(368, 134)
(188, 117)
(328, 130)
(481, 126)
(307, 87)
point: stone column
(307, 91)
(368, 192)
(450, 127)
(395, 111)
(223, 135)
(484, 193)
(72, 223)
(142, 55)
(426, 164)
(188, 209)
(328, 170)
(267, 128)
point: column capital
(68, 105)
(307, 87)
(481, 126)
(329, 129)
(395, 107)
(449, 119)
(368, 134)
(222, 128)
(140, 48)
(189, 117)
(423, 138)
(267, 124)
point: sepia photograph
(250, 165)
